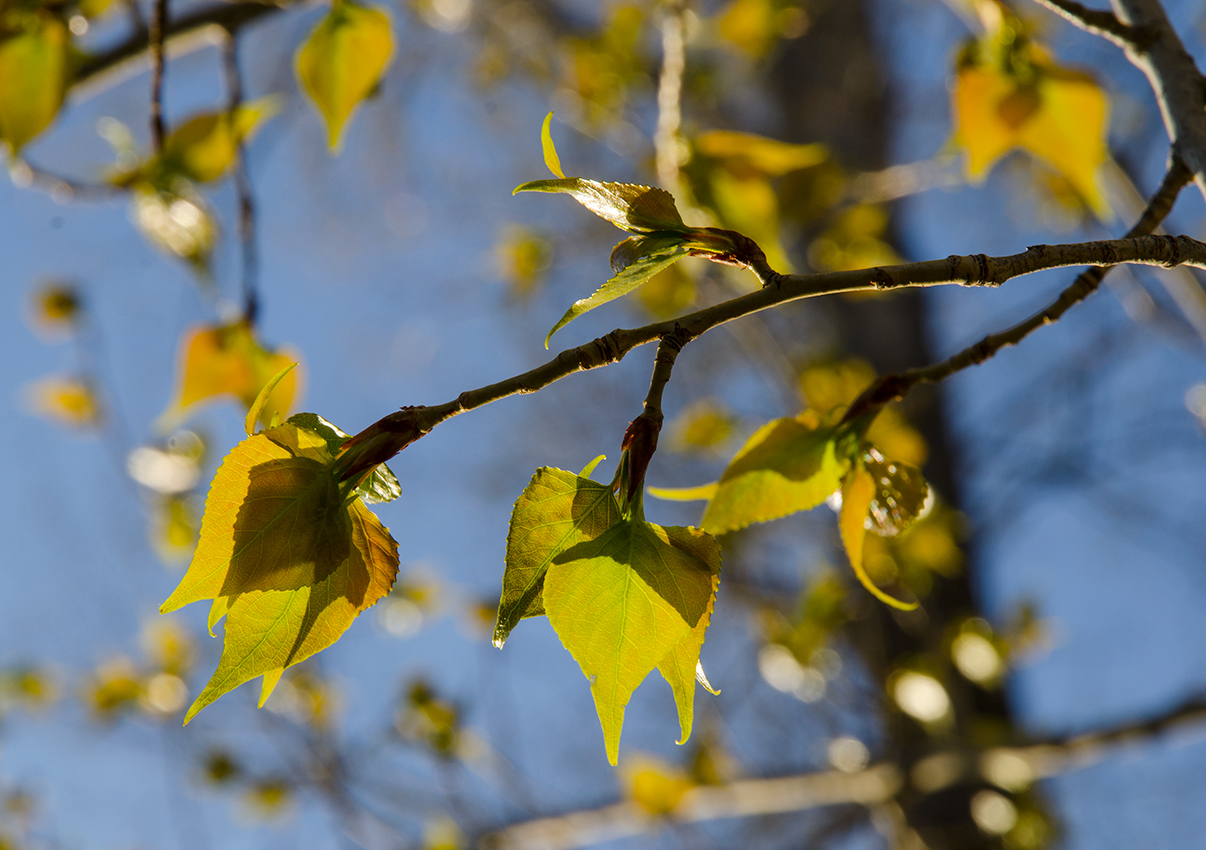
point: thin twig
(895, 386)
(1097, 21)
(62, 189)
(156, 37)
(242, 181)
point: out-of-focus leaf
(35, 70)
(67, 400)
(55, 308)
(746, 152)
(205, 146)
(178, 220)
(175, 527)
(1008, 94)
(785, 467)
(854, 241)
(755, 26)
(342, 61)
(524, 258)
(287, 558)
(858, 492)
(705, 426)
(229, 360)
(625, 601)
(635, 260)
(655, 786)
(669, 292)
(629, 206)
(557, 510)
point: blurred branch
(706, 802)
(155, 45)
(895, 386)
(1097, 21)
(242, 181)
(62, 189)
(199, 27)
(899, 181)
(666, 140)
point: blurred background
(1046, 695)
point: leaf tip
(550, 152)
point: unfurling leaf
(229, 360)
(550, 151)
(634, 260)
(287, 555)
(624, 595)
(1008, 94)
(35, 71)
(858, 493)
(785, 467)
(342, 61)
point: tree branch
(895, 386)
(666, 141)
(180, 31)
(1009, 768)
(1099, 22)
(155, 44)
(389, 435)
(1175, 81)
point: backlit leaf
(858, 492)
(655, 786)
(34, 75)
(205, 146)
(1057, 115)
(635, 260)
(786, 466)
(630, 207)
(557, 510)
(902, 495)
(66, 400)
(746, 152)
(550, 151)
(228, 360)
(380, 486)
(624, 601)
(286, 556)
(177, 220)
(342, 61)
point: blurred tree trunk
(831, 87)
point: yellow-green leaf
(557, 510)
(205, 146)
(858, 492)
(785, 467)
(342, 61)
(550, 151)
(629, 206)
(622, 602)
(1057, 115)
(34, 74)
(286, 556)
(230, 360)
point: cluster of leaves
(1009, 94)
(288, 553)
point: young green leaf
(342, 61)
(635, 260)
(35, 70)
(786, 466)
(285, 556)
(380, 486)
(253, 412)
(624, 601)
(630, 207)
(550, 152)
(557, 510)
(858, 491)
